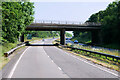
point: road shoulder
(12, 60)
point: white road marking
(67, 53)
(13, 70)
(52, 61)
(91, 64)
(95, 66)
(59, 68)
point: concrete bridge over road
(51, 62)
(62, 26)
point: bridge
(62, 26)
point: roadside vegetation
(106, 51)
(8, 46)
(14, 19)
(44, 34)
(82, 39)
(110, 20)
(97, 59)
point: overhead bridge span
(62, 26)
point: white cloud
(72, 0)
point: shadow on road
(41, 44)
(28, 44)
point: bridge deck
(58, 27)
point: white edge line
(99, 67)
(12, 71)
(92, 64)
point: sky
(68, 10)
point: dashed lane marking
(90, 63)
(59, 68)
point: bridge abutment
(96, 37)
(62, 37)
(22, 38)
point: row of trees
(110, 20)
(46, 34)
(15, 17)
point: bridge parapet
(67, 22)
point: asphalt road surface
(52, 62)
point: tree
(110, 20)
(15, 17)
(68, 34)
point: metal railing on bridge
(66, 22)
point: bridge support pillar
(62, 37)
(22, 38)
(96, 37)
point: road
(52, 62)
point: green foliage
(44, 34)
(110, 23)
(14, 0)
(0, 26)
(68, 34)
(82, 37)
(15, 17)
(110, 20)
(8, 46)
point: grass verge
(5, 60)
(85, 41)
(102, 50)
(104, 62)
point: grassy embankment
(101, 60)
(8, 46)
(85, 41)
